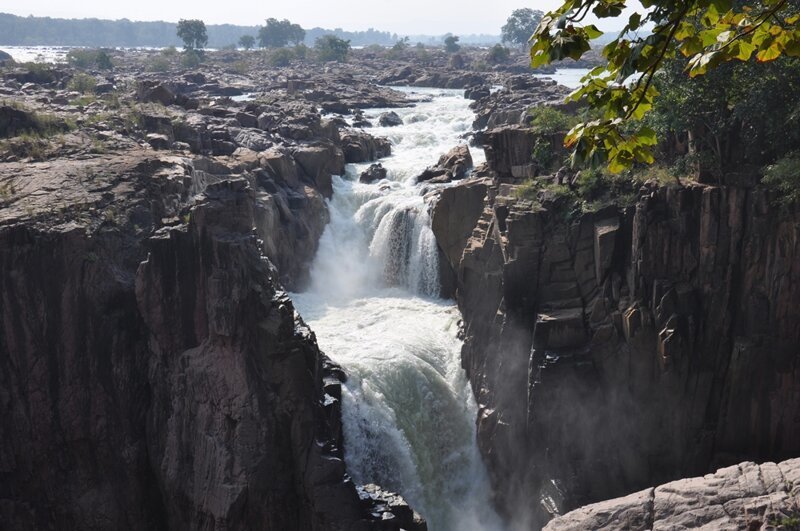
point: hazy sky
(430, 17)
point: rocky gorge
(156, 374)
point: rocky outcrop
(510, 105)
(156, 376)
(390, 119)
(612, 350)
(362, 147)
(453, 165)
(375, 172)
(743, 496)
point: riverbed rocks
(510, 105)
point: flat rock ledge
(746, 496)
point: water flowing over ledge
(409, 414)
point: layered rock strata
(621, 348)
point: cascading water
(408, 411)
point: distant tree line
(46, 31)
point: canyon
(156, 372)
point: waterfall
(408, 410)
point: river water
(408, 411)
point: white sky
(429, 17)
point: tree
(247, 41)
(520, 26)
(278, 33)
(193, 34)
(331, 48)
(451, 44)
(295, 34)
(707, 33)
(737, 113)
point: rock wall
(164, 381)
(618, 349)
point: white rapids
(408, 411)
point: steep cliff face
(161, 381)
(613, 350)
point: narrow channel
(409, 414)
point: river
(408, 411)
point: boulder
(319, 163)
(375, 172)
(458, 160)
(154, 92)
(477, 92)
(158, 141)
(15, 121)
(254, 139)
(453, 165)
(390, 119)
(5, 59)
(359, 146)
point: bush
(784, 178)
(280, 57)
(191, 58)
(82, 83)
(543, 153)
(300, 51)
(331, 48)
(169, 51)
(548, 120)
(83, 58)
(158, 64)
(39, 73)
(498, 54)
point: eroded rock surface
(744, 496)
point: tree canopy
(278, 33)
(193, 34)
(451, 44)
(520, 26)
(707, 33)
(247, 41)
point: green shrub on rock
(784, 178)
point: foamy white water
(408, 411)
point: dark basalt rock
(375, 172)
(390, 119)
(453, 165)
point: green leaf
(768, 54)
(647, 136)
(592, 32)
